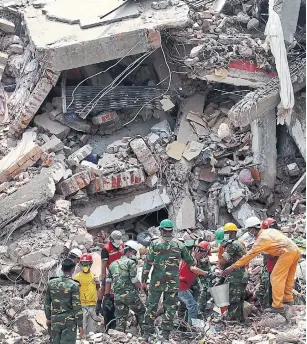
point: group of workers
(176, 270)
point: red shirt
(186, 277)
(270, 264)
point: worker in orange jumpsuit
(273, 242)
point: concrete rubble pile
(205, 150)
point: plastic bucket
(220, 295)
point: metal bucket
(220, 295)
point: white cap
(133, 244)
(116, 235)
(252, 222)
(77, 252)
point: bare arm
(198, 271)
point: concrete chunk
(54, 128)
(19, 159)
(192, 150)
(132, 176)
(53, 145)
(127, 208)
(75, 158)
(293, 170)
(144, 155)
(76, 182)
(175, 150)
(6, 26)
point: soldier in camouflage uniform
(63, 307)
(238, 279)
(164, 256)
(123, 275)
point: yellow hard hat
(230, 227)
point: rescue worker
(264, 292)
(75, 255)
(164, 257)
(122, 274)
(88, 293)
(188, 276)
(274, 243)
(219, 237)
(237, 279)
(112, 251)
(202, 294)
(63, 307)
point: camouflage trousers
(236, 301)
(129, 300)
(264, 292)
(64, 332)
(170, 300)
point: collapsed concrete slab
(260, 102)
(120, 210)
(185, 215)
(66, 46)
(30, 196)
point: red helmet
(205, 245)
(86, 257)
(267, 223)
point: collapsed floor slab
(68, 46)
(120, 210)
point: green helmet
(219, 235)
(166, 225)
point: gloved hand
(98, 307)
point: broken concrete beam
(53, 145)
(132, 176)
(29, 196)
(124, 209)
(26, 154)
(265, 99)
(194, 103)
(296, 124)
(34, 102)
(104, 117)
(44, 123)
(185, 215)
(39, 272)
(163, 71)
(6, 26)
(144, 156)
(75, 158)
(264, 147)
(76, 182)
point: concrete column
(264, 146)
(288, 11)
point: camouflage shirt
(234, 251)
(62, 301)
(123, 274)
(165, 256)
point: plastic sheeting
(275, 38)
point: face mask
(85, 268)
(133, 257)
(226, 237)
(252, 235)
(116, 243)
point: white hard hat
(252, 222)
(133, 244)
(77, 252)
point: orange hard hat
(205, 245)
(86, 257)
(267, 223)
